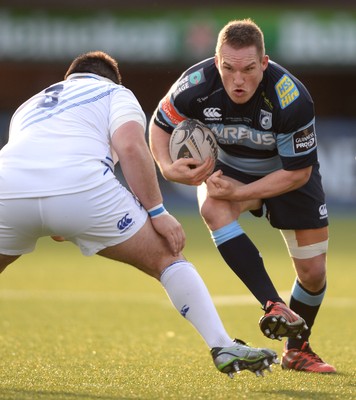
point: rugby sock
(191, 298)
(306, 304)
(244, 259)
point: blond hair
(241, 33)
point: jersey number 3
(51, 96)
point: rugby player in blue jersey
(263, 119)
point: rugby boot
(239, 357)
(280, 321)
(305, 360)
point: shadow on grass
(19, 394)
(299, 394)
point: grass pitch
(89, 328)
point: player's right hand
(189, 171)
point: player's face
(241, 71)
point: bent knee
(312, 280)
(311, 272)
(218, 213)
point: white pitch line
(140, 297)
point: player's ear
(216, 59)
(264, 63)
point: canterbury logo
(184, 310)
(212, 112)
(322, 210)
(124, 222)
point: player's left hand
(168, 227)
(219, 187)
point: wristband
(157, 211)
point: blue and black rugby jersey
(273, 130)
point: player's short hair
(96, 62)
(240, 34)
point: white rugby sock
(191, 298)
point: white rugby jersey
(59, 140)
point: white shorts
(93, 219)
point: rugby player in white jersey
(57, 179)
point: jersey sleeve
(178, 104)
(298, 149)
(166, 115)
(295, 136)
(125, 108)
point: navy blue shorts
(303, 208)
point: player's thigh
(20, 226)
(306, 237)
(95, 219)
(306, 243)
(145, 250)
(247, 205)
(308, 248)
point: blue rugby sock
(306, 304)
(245, 260)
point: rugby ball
(192, 139)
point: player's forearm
(274, 184)
(141, 176)
(137, 164)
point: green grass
(88, 328)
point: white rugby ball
(193, 139)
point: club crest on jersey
(266, 119)
(287, 91)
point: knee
(206, 212)
(312, 272)
(217, 213)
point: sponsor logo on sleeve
(305, 140)
(193, 79)
(286, 90)
(170, 112)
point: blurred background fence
(154, 42)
